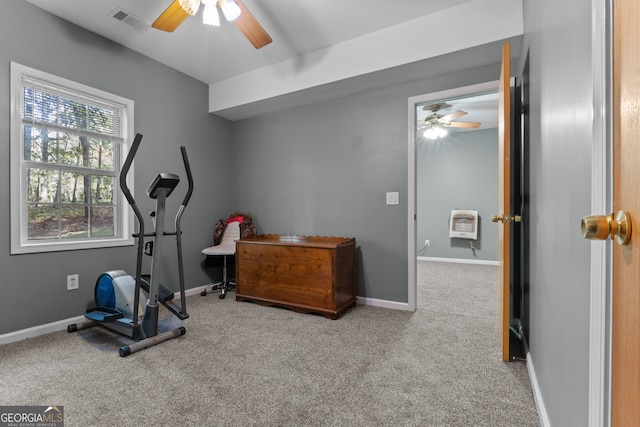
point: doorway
(418, 232)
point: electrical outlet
(426, 243)
(73, 282)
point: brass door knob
(599, 227)
(506, 219)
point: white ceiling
(211, 54)
(369, 32)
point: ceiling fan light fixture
(190, 6)
(230, 9)
(210, 14)
(435, 132)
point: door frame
(470, 90)
(601, 202)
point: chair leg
(225, 285)
(214, 286)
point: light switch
(392, 198)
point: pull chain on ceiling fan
(233, 10)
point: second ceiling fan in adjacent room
(436, 122)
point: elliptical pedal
(103, 314)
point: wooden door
(625, 380)
(504, 200)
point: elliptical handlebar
(183, 300)
(127, 165)
(125, 171)
(181, 311)
(127, 193)
(185, 160)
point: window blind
(53, 106)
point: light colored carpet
(241, 364)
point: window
(68, 142)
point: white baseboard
(458, 260)
(383, 303)
(61, 325)
(36, 331)
(537, 394)
(192, 291)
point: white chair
(227, 247)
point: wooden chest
(305, 274)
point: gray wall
(321, 169)
(558, 39)
(170, 110)
(324, 169)
(459, 171)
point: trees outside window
(67, 142)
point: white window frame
(123, 217)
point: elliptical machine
(118, 296)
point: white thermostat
(463, 224)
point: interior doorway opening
(421, 121)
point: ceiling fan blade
(171, 18)
(453, 116)
(251, 28)
(470, 125)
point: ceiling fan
(233, 10)
(435, 119)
